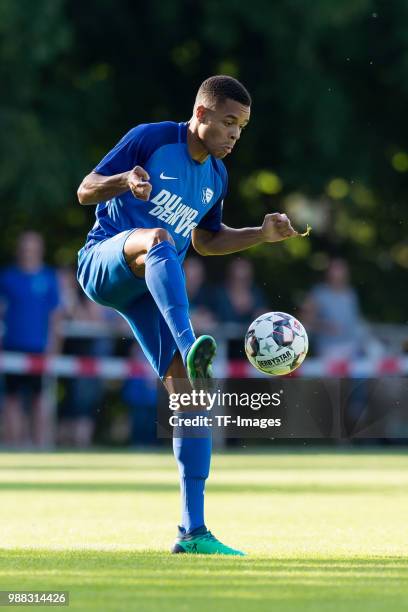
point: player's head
(240, 272)
(337, 273)
(221, 110)
(30, 250)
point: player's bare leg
(41, 424)
(139, 243)
(14, 421)
(83, 429)
(176, 380)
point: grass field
(324, 531)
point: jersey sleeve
(135, 148)
(212, 220)
(125, 155)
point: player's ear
(200, 113)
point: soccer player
(161, 187)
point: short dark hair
(220, 87)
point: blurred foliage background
(327, 142)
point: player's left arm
(55, 315)
(275, 227)
(55, 338)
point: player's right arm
(99, 188)
(226, 240)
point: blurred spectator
(201, 295)
(83, 396)
(331, 314)
(240, 300)
(332, 317)
(30, 293)
(140, 395)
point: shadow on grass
(89, 468)
(162, 487)
(114, 580)
(105, 561)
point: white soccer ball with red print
(276, 343)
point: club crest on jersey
(207, 195)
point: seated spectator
(332, 317)
(30, 292)
(331, 314)
(201, 296)
(240, 300)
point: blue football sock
(165, 281)
(193, 456)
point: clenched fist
(276, 227)
(138, 181)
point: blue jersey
(185, 193)
(30, 299)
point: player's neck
(195, 147)
(30, 267)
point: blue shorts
(106, 278)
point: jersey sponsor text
(170, 209)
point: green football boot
(199, 358)
(202, 542)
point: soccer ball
(276, 343)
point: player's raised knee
(159, 234)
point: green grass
(324, 531)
